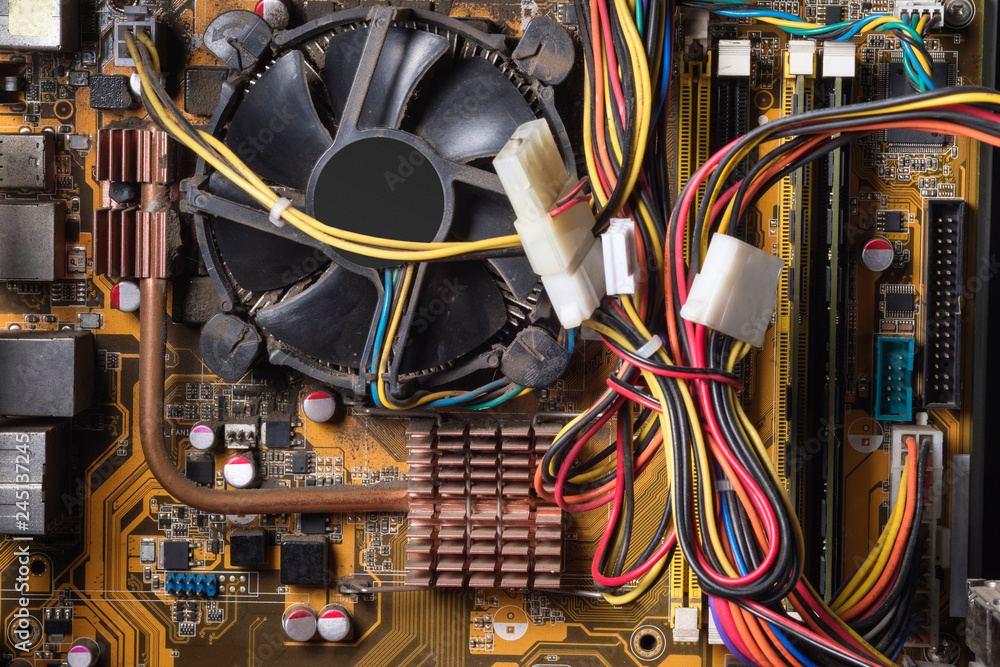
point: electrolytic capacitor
(274, 13)
(125, 296)
(299, 622)
(240, 471)
(319, 406)
(334, 623)
(877, 255)
(83, 653)
(203, 437)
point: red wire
(625, 391)
(562, 208)
(574, 452)
(784, 621)
(732, 382)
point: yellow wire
(862, 582)
(700, 449)
(237, 172)
(154, 57)
(390, 333)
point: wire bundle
(674, 392)
(916, 58)
(165, 113)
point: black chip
(892, 221)
(202, 89)
(304, 560)
(899, 87)
(834, 14)
(300, 463)
(174, 555)
(58, 626)
(899, 302)
(248, 547)
(200, 470)
(109, 92)
(312, 524)
(277, 435)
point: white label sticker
(30, 18)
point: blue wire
(665, 74)
(515, 390)
(380, 332)
(753, 13)
(570, 340)
(741, 565)
(731, 534)
(858, 26)
(492, 386)
(899, 649)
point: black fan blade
(257, 260)
(406, 56)
(276, 129)
(329, 321)
(472, 112)
(460, 308)
(482, 215)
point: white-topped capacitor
(274, 13)
(877, 255)
(334, 623)
(299, 622)
(125, 296)
(203, 437)
(319, 406)
(83, 653)
(240, 471)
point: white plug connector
(620, 263)
(736, 290)
(561, 249)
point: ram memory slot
(820, 457)
(791, 345)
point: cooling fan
(382, 122)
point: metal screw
(959, 13)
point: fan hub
(381, 186)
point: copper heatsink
(474, 519)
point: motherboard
(235, 437)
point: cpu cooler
(384, 122)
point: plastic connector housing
(801, 57)
(620, 263)
(735, 57)
(736, 290)
(910, 9)
(561, 249)
(894, 379)
(840, 60)
(935, 555)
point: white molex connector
(620, 263)
(561, 249)
(839, 60)
(736, 290)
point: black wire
(868, 621)
(762, 132)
